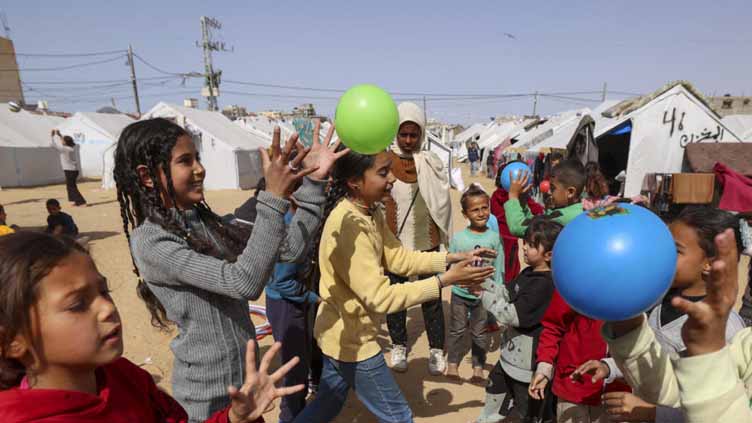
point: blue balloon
(614, 263)
(511, 171)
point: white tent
(27, 157)
(554, 133)
(648, 134)
(264, 127)
(228, 152)
(741, 125)
(93, 133)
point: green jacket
(516, 215)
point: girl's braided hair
(149, 143)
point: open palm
(259, 389)
(323, 155)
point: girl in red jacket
(61, 345)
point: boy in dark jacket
(520, 307)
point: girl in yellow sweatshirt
(355, 251)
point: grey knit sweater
(207, 298)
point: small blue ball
(513, 171)
(614, 263)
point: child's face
(477, 211)
(691, 261)
(53, 210)
(75, 323)
(3, 216)
(187, 174)
(535, 255)
(561, 196)
(376, 182)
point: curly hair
(25, 259)
(149, 143)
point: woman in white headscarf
(418, 211)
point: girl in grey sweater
(199, 270)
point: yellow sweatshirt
(714, 387)
(356, 249)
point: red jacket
(127, 394)
(568, 340)
(512, 265)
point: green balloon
(366, 119)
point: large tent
(27, 157)
(741, 125)
(648, 134)
(93, 133)
(228, 152)
(263, 126)
(556, 132)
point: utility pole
(133, 80)
(603, 96)
(212, 78)
(535, 103)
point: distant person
(59, 222)
(67, 149)
(4, 228)
(473, 156)
(490, 161)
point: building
(731, 105)
(304, 110)
(234, 111)
(10, 79)
(271, 114)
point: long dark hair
(25, 259)
(150, 143)
(351, 165)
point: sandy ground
(434, 399)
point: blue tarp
(624, 128)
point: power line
(155, 68)
(97, 82)
(59, 68)
(64, 55)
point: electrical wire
(59, 68)
(64, 55)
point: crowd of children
(319, 238)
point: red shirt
(127, 394)
(512, 265)
(568, 340)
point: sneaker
(399, 358)
(436, 362)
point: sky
(466, 58)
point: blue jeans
(372, 381)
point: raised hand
(281, 173)
(259, 390)
(538, 386)
(597, 369)
(323, 156)
(519, 184)
(705, 330)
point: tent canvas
(27, 157)
(741, 125)
(663, 124)
(93, 133)
(228, 152)
(554, 133)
